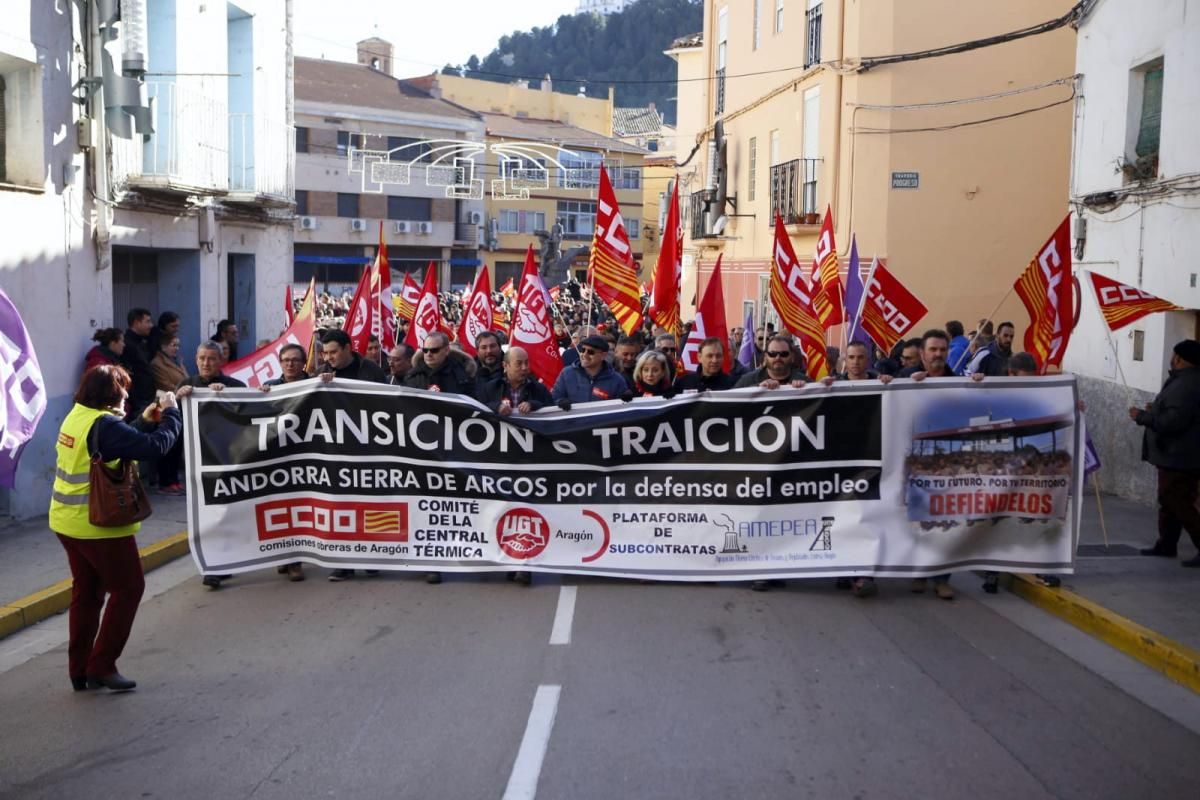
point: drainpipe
(289, 94)
(99, 142)
(837, 116)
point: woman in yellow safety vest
(104, 561)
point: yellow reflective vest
(69, 499)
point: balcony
(261, 168)
(794, 191)
(697, 210)
(466, 232)
(188, 151)
(812, 53)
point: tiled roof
(636, 122)
(691, 40)
(340, 83)
(559, 133)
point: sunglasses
(778, 354)
(432, 350)
(588, 351)
(669, 349)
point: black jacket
(532, 392)
(484, 376)
(136, 360)
(117, 439)
(203, 383)
(457, 374)
(359, 369)
(1172, 436)
(698, 382)
(757, 376)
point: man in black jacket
(437, 369)
(488, 360)
(1171, 442)
(515, 392)
(342, 362)
(710, 375)
(136, 360)
(777, 369)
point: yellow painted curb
(54, 599)
(1177, 661)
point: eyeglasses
(588, 351)
(669, 349)
(778, 354)
(397, 359)
(431, 350)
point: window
(625, 177)
(722, 45)
(580, 170)
(405, 148)
(1139, 345)
(754, 41)
(346, 140)
(347, 205)
(774, 147)
(779, 16)
(516, 221)
(21, 128)
(812, 53)
(418, 209)
(302, 202)
(301, 140)
(1150, 118)
(753, 168)
(633, 227)
(578, 218)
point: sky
(426, 36)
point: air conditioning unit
(358, 225)
(308, 223)
(425, 227)
(475, 218)
(402, 227)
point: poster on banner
(739, 485)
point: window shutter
(1148, 133)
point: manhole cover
(1100, 551)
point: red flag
(287, 303)
(710, 321)
(384, 323)
(428, 316)
(477, 312)
(890, 310)
(532, 328)
(362, 312)
(555, 291)
(507, 289)
(406, 302)
(668, 272)
(1045, 288)
(263, 365)
(792, 298)
(611, 269)
(1121, 304)
(499, 322)
(829, 300)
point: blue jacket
(958, 346)
(574, 384)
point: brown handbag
(117, 497)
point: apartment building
(541, 168)
(1135, 196)
(349, 116)
(953, 168)
(166, 184)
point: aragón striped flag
(829, 301)
(611, 269)
(406, 302)
(1122, 304)
(792, 300)
(1045, 287)
(668, 272)
(890, 310)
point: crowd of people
(1025, 460)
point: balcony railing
(189, 149)
(812, 53)
(719, 108)
(260, 157)
(794, 190)
(697, 212)
(466, 232)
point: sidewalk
(1129, 591)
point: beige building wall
(988, 195)
(589, 113)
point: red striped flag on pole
(406, 303)
(829, 300)
(1122, 304)
(1045, 288)
(611, 268)
(384, 323)
(791, 297)
(668, 272)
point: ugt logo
(522, 533)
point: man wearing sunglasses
(592, 379)
(438, 369)
(777, 369)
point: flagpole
(979, 329)
(862, 301)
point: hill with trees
(596, 51)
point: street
(388, 687)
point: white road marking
(522, 783)
(564, 616)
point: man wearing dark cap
(592, 379)
(1171, 442)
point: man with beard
(208, 376)
(488, 361)
(627, 352)
(777, 369)
(136, 360)
(399, 362)
(993, 359)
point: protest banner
(733, 485)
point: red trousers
(100, 567)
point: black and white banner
(858, 478)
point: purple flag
(22, 391)
(1091, 457)
(746, 354)
(854, 296)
